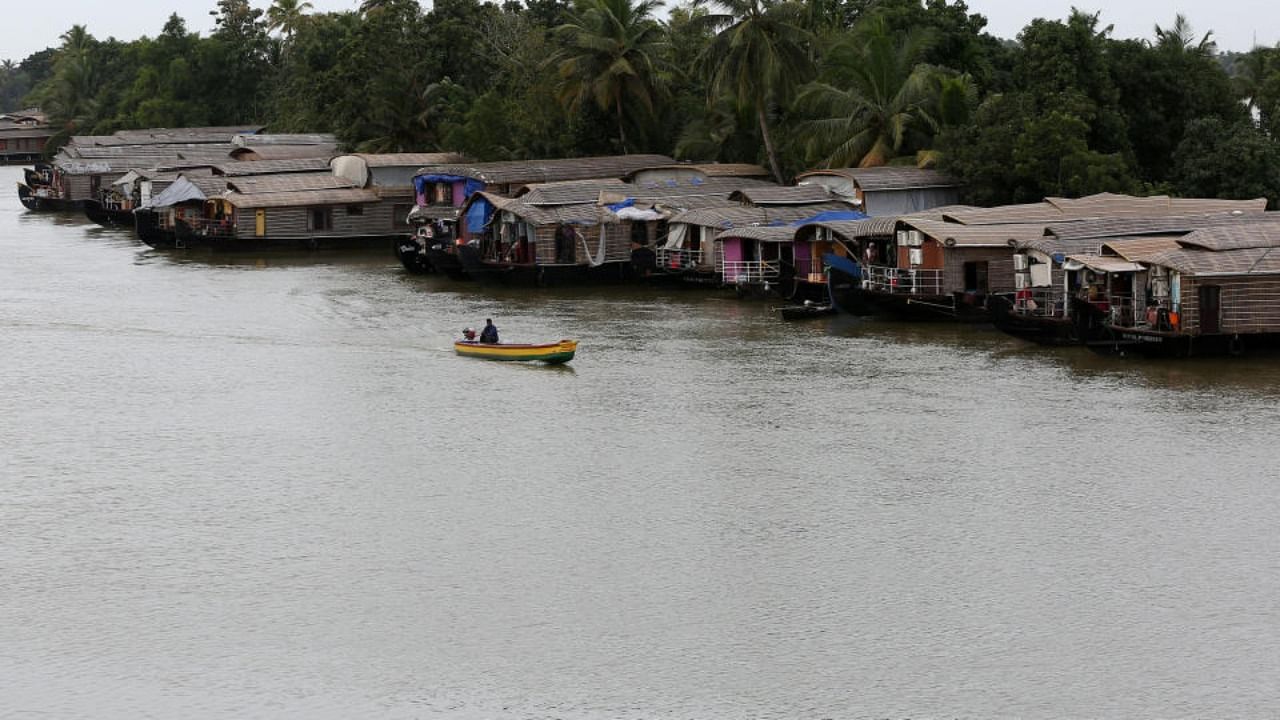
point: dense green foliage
(790, 84)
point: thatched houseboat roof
(726, 217)
(304, 198)
(957, 235)
(259, 153)
(763, 233)
(570, 192)
(289, 182)
(783, 195)
(272, 167)
(886, 178)
(524, 172)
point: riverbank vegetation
(1065, 109)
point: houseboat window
(321, 218)
(355, 209)
(639, 233)
(975, 277)
(443, 193)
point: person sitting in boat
(489, 334)
(469, 335)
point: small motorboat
(554, 353)
(809, 309)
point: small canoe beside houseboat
(556, 352)
(806, 310)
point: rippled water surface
(264, 486)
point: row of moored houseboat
(1152, 275)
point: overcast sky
(1236, 23)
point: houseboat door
(1210, 309)
(260, 223)
(975, 277)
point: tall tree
(759, 57)
(287, 15)
(611, 57)
(871, 95)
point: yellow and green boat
(556, 352)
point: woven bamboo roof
(570, 192)
(888, 178)
(579, 214)
(779, 195)
(210, 185)
(709, 170)
(288, 182)
(107, 166)
(306, 198)
(258, 153)
(286, 139)
(856, 229)
(154, 136)
(21, 132)
(738, 216)
(272, 167)
(524, 172)
(957, 235)
(1139, 249)
(1248, 261)
(763, 233)
(1104, 264)
(414, 160)
(1234, 237)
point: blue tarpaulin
(843, 264)
(478, 215)
(832, 216)
(629, 202)
(470, 185)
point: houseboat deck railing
(210, 228)
(678, 258)
(900, 281)
(1042, 302)
(743, 272)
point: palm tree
(872, 97)
(759, 56)
(70, 97)
(286, 15)
(611, 57)
(1182, 39)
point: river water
(263, 487)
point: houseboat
(391, 176)
(23, 135)
(514, 242)
(881, 191)
(1048, 306)
(441, 190)
(1213, 294)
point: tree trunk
(622, 132)
(768, 143)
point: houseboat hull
(536, 275)
(553, 353)
(806, 312)
(447, 263)
(844, 287)
(1086, 324)
(146, 225)
(187, 238)
(958, 307)
(413, 256)
(1163, 344)
(40, 203)
(107, 217)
